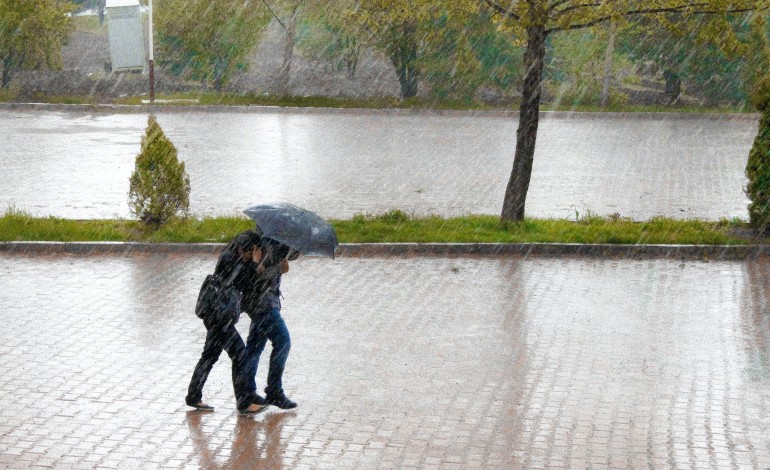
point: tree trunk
(350, 56)
(6, 78)
(218, 83)
(282, 87)
(101, 7)
(11, 64)
(403, 54)
(608, 54)
(673, 86)
(529, 119)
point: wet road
(396, 363)
(340, 163)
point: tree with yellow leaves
(32, 34)
(208, 41)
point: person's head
(247, 245)
(275, 251)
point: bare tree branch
(557, 4)
(500, 10)
(650, 11)
(274, 15)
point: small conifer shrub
(758, 166)
(159, 187)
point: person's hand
(256, 256)
(284, 266)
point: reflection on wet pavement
(396, 362)
(254, 443)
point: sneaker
(280, 401)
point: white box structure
(124, 31)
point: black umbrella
(295, 227)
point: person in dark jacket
(243, 253)
(263, 305)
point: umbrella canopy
(295, 227)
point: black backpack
(218, 300)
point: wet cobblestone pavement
(431, 362)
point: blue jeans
(267, 325)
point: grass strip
(291, 101)
(392, 227)
(226, 99)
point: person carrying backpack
(238, 262)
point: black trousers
(219, 338)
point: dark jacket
(259, 291)
(267, 293)
(247, 275)
(264, 294)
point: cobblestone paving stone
(430, 363)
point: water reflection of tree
(515, 364)
(256, 443)
(756, 321)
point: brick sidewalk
(397, 363)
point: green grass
(392, 227)
(18, 226)
(640, 108)
(226, 99)
(397, 227)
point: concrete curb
(257, 109)
(401, 250)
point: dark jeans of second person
(220, 338)
(267, 325)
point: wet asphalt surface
(76, 162)
(397, 362)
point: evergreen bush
(758, 166)
(159, 186)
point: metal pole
(152, 61)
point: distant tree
(32, 34)
(463, 51)
(396, 28)
(159, 187)
(758, 165)
(720, 67)
(326, 35)
(580, 66)
(207, 41)
(453, 45)
(97, 5)
(287, 14)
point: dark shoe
(253, 409)
(259, 400)
(280, 401)
(201, 406)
